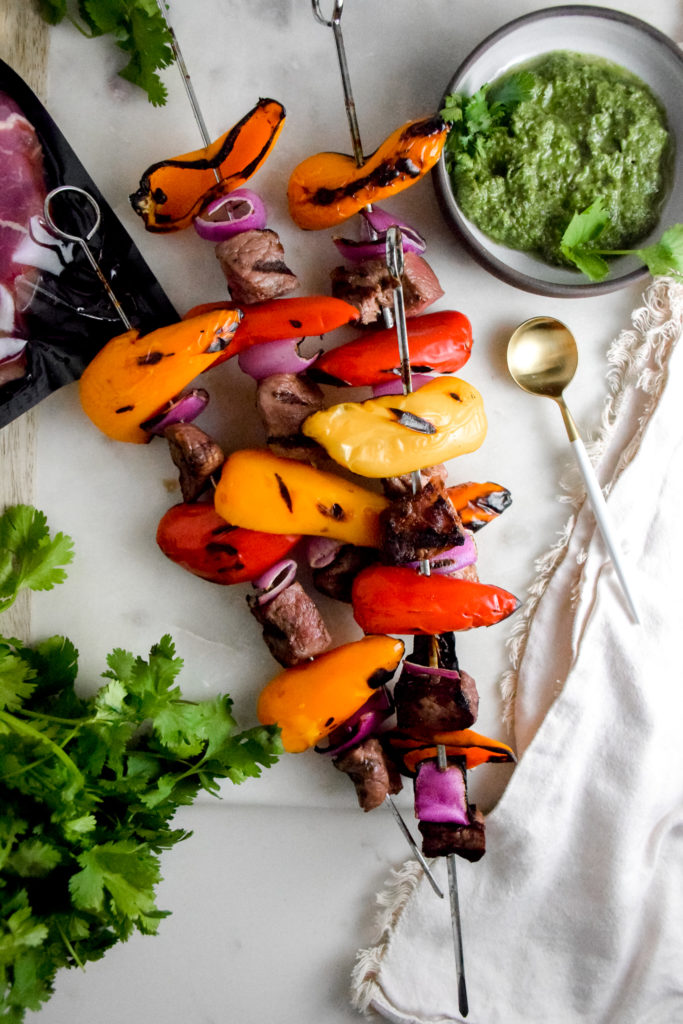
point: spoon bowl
(542, 356)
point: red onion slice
(372, 243)
(395, 387)
(360, 725)
(240, 210)
(11, 348)
(184, 408)
(280, 356)
(275, 580)
(6, 310)
(441, 795)
(413, 669)
(453, 559)
(321, 551)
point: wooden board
(23, 45)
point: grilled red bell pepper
(195, 537)
(401, 601)
(439, 342)
(275, 319)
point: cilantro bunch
(138, 27)
(89, 785)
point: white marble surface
(274, 893)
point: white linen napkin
(575, 914)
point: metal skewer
(335, 24)
(83, 240)
(395, 266)
(187, 82)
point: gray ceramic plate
(616, 36)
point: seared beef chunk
(428, 704)
(369, 286)
(400, 486)
(195, 454)
(420, 525)
(336, 579)
(254, 266)
(293, 628)
(284, 400)
(468, 841)
(371, 772)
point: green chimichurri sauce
(585, 129)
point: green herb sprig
(89, 785)
(475, 120)
(138, 28)
(579, 245)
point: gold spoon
(542, 358)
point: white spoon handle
(599, 505)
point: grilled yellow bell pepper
(263, 491)
(396, 434)
(310, 700)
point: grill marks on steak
(196, 455)
(421, 525)
(253, 263)
(369, 286)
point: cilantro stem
(70, 948)
(24, 729)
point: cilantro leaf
(666, 256)
(138, 28)
(29, 557)
(578, 245)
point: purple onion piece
(184, 408)
(381, 220)
(6, 313)
(413, 669)
(441, 795)
(274, 580)
(375, 249)
(281, 356)
(453, 559)
(321, 551)
(361, 724)
(395, 387)
(227, 216)
(11, 348)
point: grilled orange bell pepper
(134, 375)
(395, 599)
(479, 503)
(310, 700)
(396, 434)
(474, 748)
(172, 192)
(328, 188)
(263, 491)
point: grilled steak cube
(293, 628)
(196, 455)
(284, 400)
(336, 579)
(369, 286)
(468, 841)
(253, 263)
(371, 772)
(426, 704)
(421, 525)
